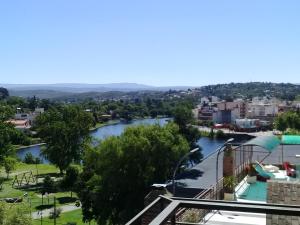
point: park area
(37, 190)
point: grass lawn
(34, 198)
(73, 216)
(41, 168)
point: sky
(154, 42)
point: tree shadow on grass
(65, 200)
(56, 175)
(43, 207)
(30, 187)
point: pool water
(255, 192)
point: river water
(208, 145)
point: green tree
(9, 165)
(6, 112)
(48, 185)
(66, 132)
(71, 178)
(32, 103)
(280, 123)
(287, 120)
(3, 93)
(183, 116)
(6, 147)
(118, 173)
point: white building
(263, 107)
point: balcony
(273, 197)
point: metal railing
(166, 216)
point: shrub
(220, 134)
(55, 213)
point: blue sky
(156, 42)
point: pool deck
(245, 192)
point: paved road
(46, 212)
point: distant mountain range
(62, 89)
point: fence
(242, 158)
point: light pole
(178, 164)
(217, 161)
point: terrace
(260, 185)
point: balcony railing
(168, 214)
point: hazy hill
(248, 90)
(73, 89)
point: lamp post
(217, 161)
(178, 164)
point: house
(21, 124)
(30, 117)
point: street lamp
(217, 161)
(179, 163)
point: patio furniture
(262, 174)
(290, 171)
(269, 168)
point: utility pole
(55, 211)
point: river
(208, 145)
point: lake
(208, 145)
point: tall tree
(9, 165)
(6, 112)
(183, 116)
(65, 131)
(118, 173)
(287, 120)
(3, 93)
(6, 147)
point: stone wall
(283, 192)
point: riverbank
(99, 125)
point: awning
(270, 143)
(290, 139)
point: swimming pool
(255, 192)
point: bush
(220, 134)
(55, 213)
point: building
(263, 108)
(30, 117)
(20, 124)
(228, 112)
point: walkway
(46, 212)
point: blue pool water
(255, 192)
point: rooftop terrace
(273, 197)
